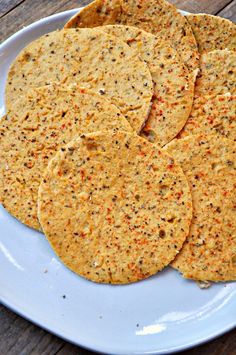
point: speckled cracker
(97, 13)
(209, 254)
(41, 122)
(173, 86)
(155, 16)
(212, 114)
(114, 207)
(212, 32)
(90, 58)
(217, 73)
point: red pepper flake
(210, 120)
(154, 96)
(131, 266)
(147, 128)
(179, 194)
(82, 174)
(142, 241)
(109, 219)
(160, 99)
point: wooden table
(18, 336)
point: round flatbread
(90, 58)
(41, 122)
(212, 32)
(209, 253)
(114, 207)
(173, 86)
(217, 73)
(155, 16)
(212, 114)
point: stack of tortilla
(119, 142)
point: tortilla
(212, 114)
(97, 13)
(212, 32)
(217, 73)
(114, 208)
(90, 58)
(209, 253)
(155, 16)
(41, 122)
(173, 86)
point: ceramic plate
(162, 314)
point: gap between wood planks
(7, 6)
(229, 11)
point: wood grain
(20, 336)
(205, 6)
(6, 6)
(30, 11)
(229, 12)
(17, 335)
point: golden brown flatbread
(212, 32)
(217, 73)
(155, 16)
(173, 86)
(41, 122)
(91, 59)
(209, 253)
(212, 114)
(114, 207)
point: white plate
(162, 314)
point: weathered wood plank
(18, 336)
(30, 11)
(6, 6)
(73, 350)
(229, 11)
(205, 6)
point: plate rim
(186, 346)
(29, 316)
